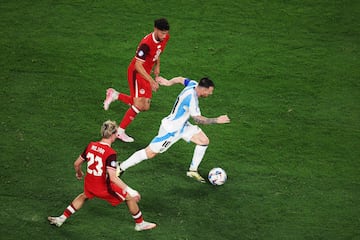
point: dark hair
(162, 24)
(206, 82)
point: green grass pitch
(286, 72)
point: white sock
(116, 95)
(120, 130)
(134, 159)
(199, 153)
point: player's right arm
(77, 166)
(204, 120)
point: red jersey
(149, 50)
(99, 157)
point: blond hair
(108, 128)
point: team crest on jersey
(142, 91)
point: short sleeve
(111, 161)
(143, 51)
(83, 155)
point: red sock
(127, 99)
(129, 116)
(70, 210)
(138, 217)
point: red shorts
(114, 195)
(139, 87)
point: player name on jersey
(97, 149)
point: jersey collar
(104, 143)
(154, 39)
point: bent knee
(204, 141)
(142, 104)
(149, 153)
(129, 198)
(145, 108)
(142, 107)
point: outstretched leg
(75, 205)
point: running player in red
(101, 180)
(141, 83)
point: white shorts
(165, 139)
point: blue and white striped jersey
(186, 106)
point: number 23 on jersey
(94, 165)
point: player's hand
(223, 119)
(133, 193)
(137, 197)
(154, 86)
(79, 175)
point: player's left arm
(140, 69)
(115, 179)
(165, 82)
(218, 120)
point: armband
(186, 82)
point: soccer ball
(217, 176)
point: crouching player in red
(101, 180)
